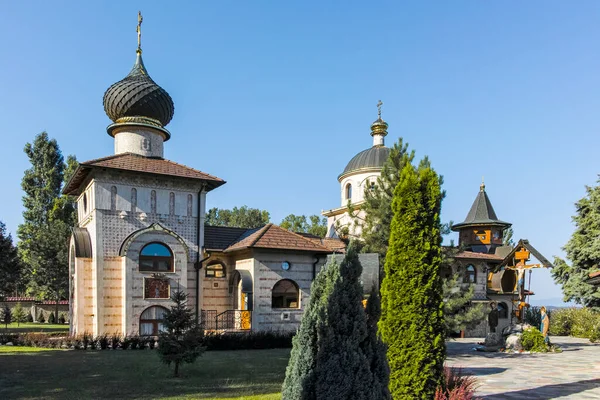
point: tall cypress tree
(412, 323)
(375, 349)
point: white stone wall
(345, 220)
(106, 298)
(216, 292)
(267, 272)
(143, 141)
(359, 181)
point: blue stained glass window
(156, 249)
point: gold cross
(139, 30)
(379, 104)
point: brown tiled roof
(220, 237)
(478, 256)
(18, 299)
(333, 244)
(53, 302)
(137, 163)
(272, 236)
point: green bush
(51, 318)
(29, 317)
(533, 340)
(578, 322)
(41, 319)
(61, 318)
(533, 316)
(248, 340)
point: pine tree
(48, 217)
(10, 267)
(583, 250)
(412, 323)
(182, 339)
(18, 314)
(51, 318)
(6, 316)
(459, 313)
(41, 319)
(378, 201)
(330, 356)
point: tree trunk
(56, 309)
(176, 373)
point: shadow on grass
(139, 374)
(548, 391)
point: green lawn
(33, 327)
(33, 373)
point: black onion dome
(137, 98)
(373, 157)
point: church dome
(138, 99)
(373, 157)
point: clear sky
(276, 97)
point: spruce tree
(375, 349)
(412, 323)
(459, 313)
(18, 314)
(182, 339)
(331, 356)
(583, 250)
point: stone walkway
(572, 374)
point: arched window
(348, 191)
(502, 310)
(133, 200)
(156, 257)
(113, 198)
(215, 270)
(286, 294)
(151, 321)
(189, 205)
(84, 203)
(153, 202)
(171, 203)
(470, 274)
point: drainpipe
(314, 267)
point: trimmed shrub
(51, 318)
(125, 342)
(457, 386)
(578, 322)
(62, 319)
(533, 340)
(134, 342)
(115, 340)
(41, 319)
(29, 317)
(103, 341)
(249, 340)
(85, 340)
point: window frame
(214, 264)
(502, 308)
(155, 322)
(468, 274)
(285, 299)
(170, 259)
(348, 191)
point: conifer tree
(331, 357)
(18, 314)
(6, 316)
(412, 323)
(583, 250)
(375, 349)
(10, 267)
(182, 339)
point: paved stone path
(572, 374)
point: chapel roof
(481, 213)
(140, 164)
(275, 237)
(471, 255)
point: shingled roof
(272, 236)
(137, 163)
(481, 213)
(218, 238)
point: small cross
(139, 30)
(379, 104)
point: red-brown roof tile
(138, 163)
(272, 236)
(18, 299)
(478, 256)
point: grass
(33, 327)
(33, 373)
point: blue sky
(276, 97)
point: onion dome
(137, 99)
(374, 157)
